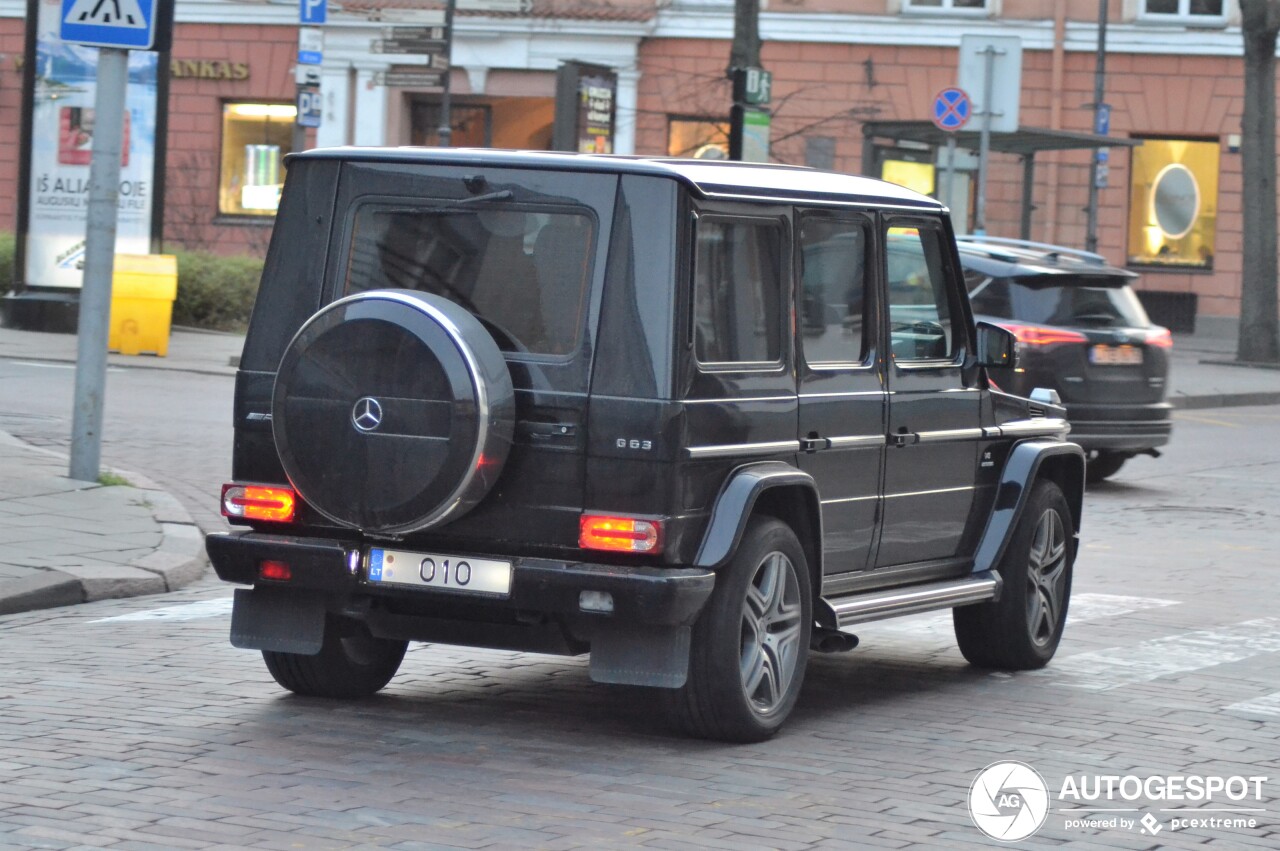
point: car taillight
(619, 534)
(277, 571)
(259, 502)
(1160, 338)
(1035, 335)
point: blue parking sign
(128, 24)
(312, 12)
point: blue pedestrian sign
(312, 12)
(951, 109)
(127, 24)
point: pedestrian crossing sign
(127, 24)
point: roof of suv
(1016, 258)
(711, 178)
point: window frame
(952, 279)
(947, 7)
(785, 297)
(1184, 15)
(870, 292)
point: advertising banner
(61, 143)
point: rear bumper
(641, 595)
(1122, 428)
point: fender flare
(736, 501)
(1062, 462)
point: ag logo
(1008, 801)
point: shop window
(699, 138)
(255, 138)
(1197, 11)
(958, 6)
(1173, 203)
(471, 125)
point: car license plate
(1115, 355)
(451, 573)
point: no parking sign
(951, 109)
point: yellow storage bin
(143, 287)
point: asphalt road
(134, 724)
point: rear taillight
(1035, 335)
(276, 571)
(273, 503)
(1160, 338)
(619, 534)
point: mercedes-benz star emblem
(366, 414)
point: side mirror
(997, 347)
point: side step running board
(876, 605)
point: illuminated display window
(1173, 203)
(255, 138)
(698, 138)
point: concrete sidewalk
(64, 541)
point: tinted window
(919, 304)
(833, 283)
(738, 291)
(522, 271)
(1059, 301)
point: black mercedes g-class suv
(694, 418)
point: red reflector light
(619, 534)
(1160, 338)
(1034, 335)
(259, 502)
(277, 570)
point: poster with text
(61, 147)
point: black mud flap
(285, 621)
(656, 656)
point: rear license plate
(461, 574)
(1115, 355)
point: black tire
(1021, 630)
(1103, 465)
(751, 643)
(393, 411)
(351, 663)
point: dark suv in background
(1081, 332)
(693, 418)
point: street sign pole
(99, 264)
(446, 120)
(984, 143)
(951, 108)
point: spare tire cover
(393, 411)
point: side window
(738, 291)
(832, 289)
(920, 308)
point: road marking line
(1103, 670)
(185, 612)
(1268, 704)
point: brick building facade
(1174, 77)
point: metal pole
(99, 262)
(984, 146)
(446, 120)
(950, 174)
(1099, 85)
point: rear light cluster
(1160, 338)
(1034, 335)
(270, 503)
(619, 534)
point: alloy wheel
(1046, 571)
(771, 630)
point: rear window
(1059, 300)
(522, 271)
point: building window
(700, 138)
(956, 6)
(1197, 11)
(255, 138)
(1173, 203)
